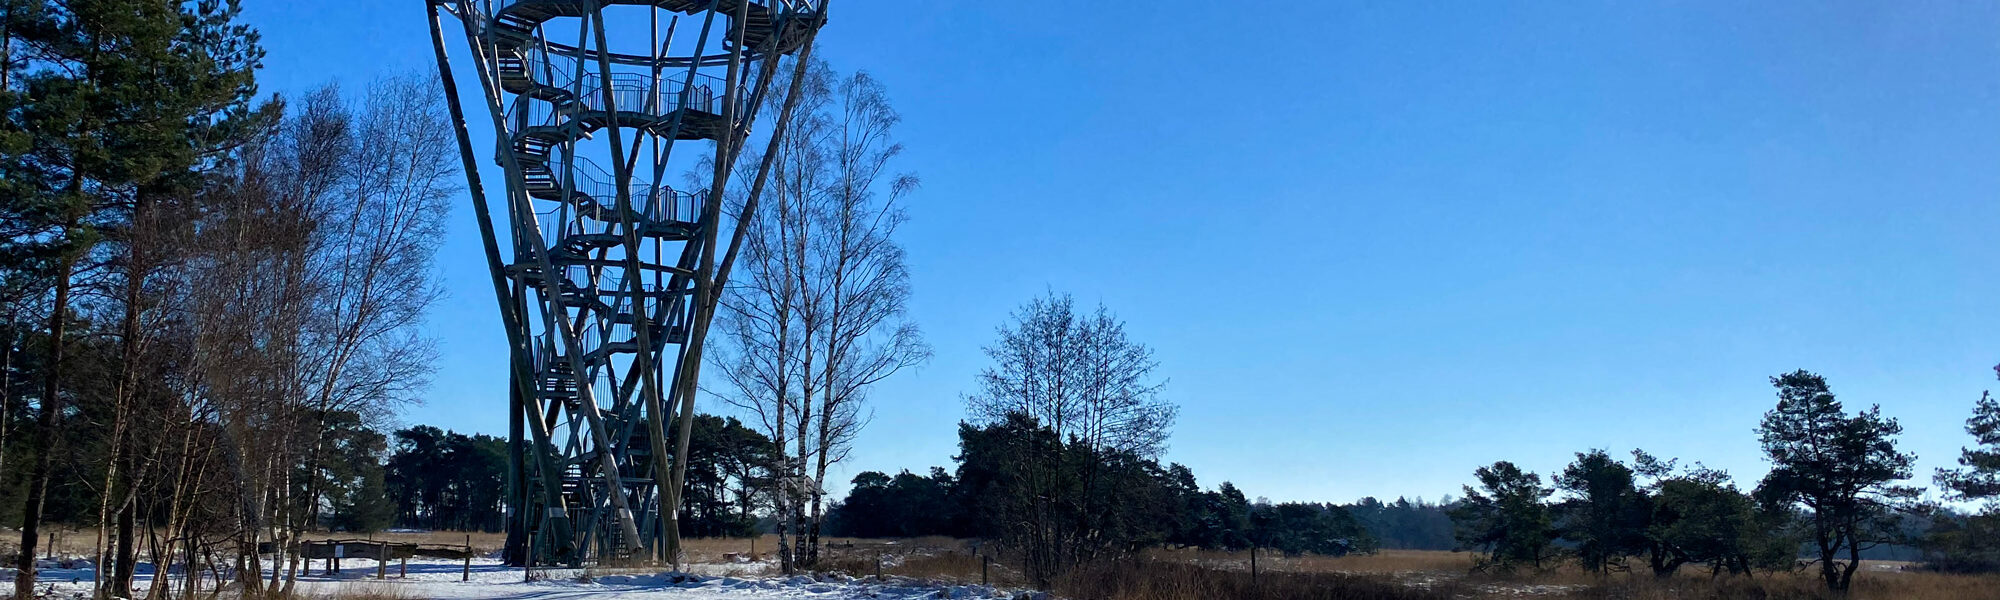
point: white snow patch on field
(438, 579)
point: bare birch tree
(866, 282)
(382, 225)
(765, 334)
(821, 314)
(317, 274)
(1081, 395)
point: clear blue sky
(1378, 244)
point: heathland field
(1168, 574)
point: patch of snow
(439, 579)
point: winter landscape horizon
(653, 299)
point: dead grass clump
(939, 559)
(362, 591)
(956, 567)
(720, 549)
(853, 565)
(1159, 580)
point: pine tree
(1605, 516)
(1960, 542)
(1839, 468)
(1507, 518)
(105, 103)
(1979, 475)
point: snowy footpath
(430, 579)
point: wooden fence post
(1253, 564)
(382, 560)
(467, 574)
(982, 569)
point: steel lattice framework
(597, 296)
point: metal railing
(663, 204)
(630, 93)
(544, 71)
(641, 93)
(646, 204)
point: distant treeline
(1834, 497)
(1836, 494)
(911, 505)
(1135, 501)
(424, 477)
(1406, 524)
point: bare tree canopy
(263, 309)
(1078, 374)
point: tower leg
(516, 551)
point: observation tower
(598, 108)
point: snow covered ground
(435, 579)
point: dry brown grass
(1792, 586)
(1381, 563)
(1877, 580)
(1167, 580)
(954, 566)
(930, 558)
(945, 565)
(69, 541)
(711, 550)
(716, 550)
